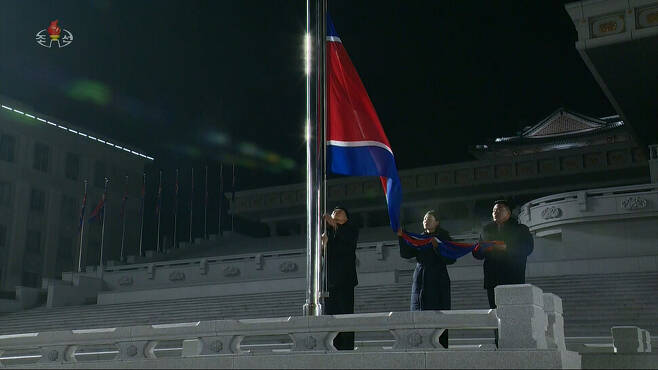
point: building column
(51, 233)
(17, 233)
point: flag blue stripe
(331, 30)
(369, 161)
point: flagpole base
(311, 309)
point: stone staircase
(592, 304)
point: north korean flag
(356, 142)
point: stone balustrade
(418, 184)
(526, 318)
(373, 257)
(613, 203)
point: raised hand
(327, 218)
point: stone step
(622, 299)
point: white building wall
(52, 223)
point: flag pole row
(100, 212)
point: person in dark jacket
(504, 264)
(340, 241)
(430, 289)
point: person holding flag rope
(431, 282)
(504, 263)
(340, 241)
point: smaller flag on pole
(81, 227)
(97, 213)
(82, 208)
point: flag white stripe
(334, 39)
(353, 144)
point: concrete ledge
(619, 361)
(387, 360)
(83, 290)
(218, 290)
(10, 305)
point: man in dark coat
(504, 264)
(430, 289)
(341, 238)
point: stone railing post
(133, 350)
(630, 339)
(555, 330)
(647, 340)
(313, 341)
(417, 339)
(214, 345)
(522, 322)
(53, 354)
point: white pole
(141, 225)
(82, 227)
(221, 197)
(104, 215)
(159, 205)
(205, 210)
(315, 137)
(176, 211)
(123, 216)
(191, 204)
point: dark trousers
(341, 301)
(431, 291)
(491, 295)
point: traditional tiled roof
(561, 124)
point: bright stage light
(307, 53)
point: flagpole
(176, 210)
(323, 162)
(191, 204)
(82, 227)
(123, 216)
(141, 226)
(205, 211)
(233, 199)
(221, 197)
(104, 210)
(315, 40)
(159, 205)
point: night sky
(194, 82)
